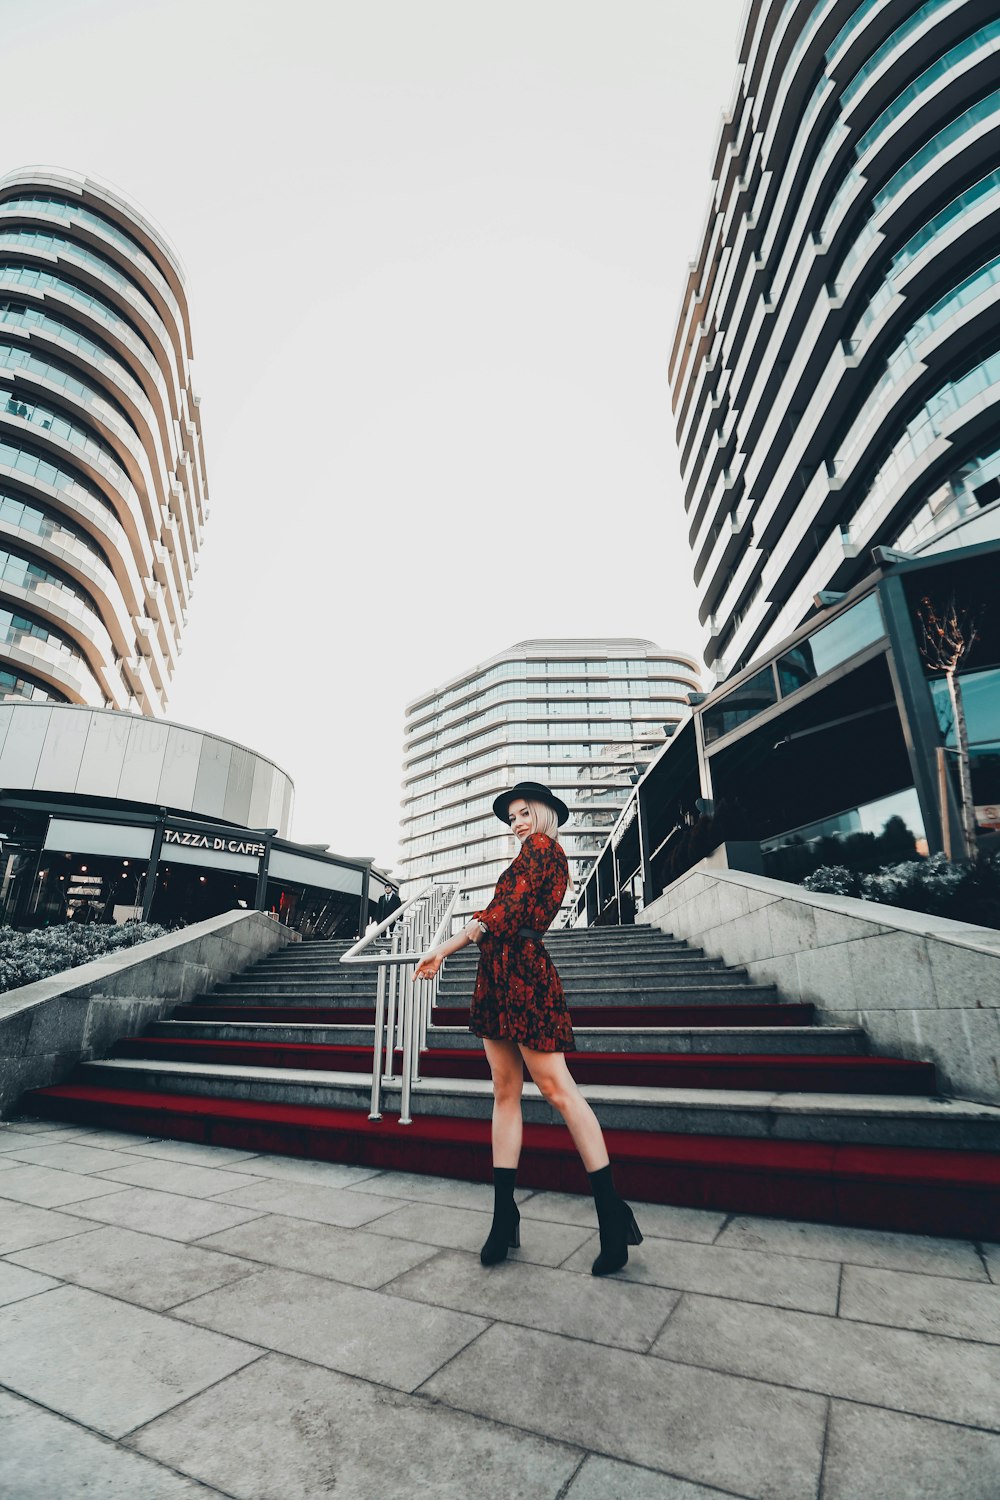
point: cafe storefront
(73, 848)
(97, 867)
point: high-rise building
(103, 493)
(583, 716)
(836, 363)
(107, 811)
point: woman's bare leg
(508, 1079)
(555, 1082)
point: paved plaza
(182, 1321)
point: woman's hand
(429, 965)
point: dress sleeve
(509, 911)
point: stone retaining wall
(922, 987)
(46, 1028)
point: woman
(519, 1010)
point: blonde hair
(544, 820)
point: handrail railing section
(402, 1007)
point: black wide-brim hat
(531, 791)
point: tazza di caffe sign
(218, 842)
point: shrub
(27, 956)
(965, 890)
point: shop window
(742, 704)
(884, 832)
(832, 644)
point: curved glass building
(102, 478)
(585, 717)
(836, 365)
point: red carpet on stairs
(923, 1191)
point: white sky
(435, 253)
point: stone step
(581, 937)
(733, 1009)
(658, 977)
(692, 993)
(809, 1073)
(831, 1041)
(340, 973)
(647, 939)
(743, 1012)
(830, 1118)
(928, 1191)
(453, 987)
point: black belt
(526, 932)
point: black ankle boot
(617, 1224)
(505, 1233)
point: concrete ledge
(46, 1028)
(922, 987)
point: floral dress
(518, 995)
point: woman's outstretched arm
(430, 964)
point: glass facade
(884, 832)
(855, 760)
(584, 718)
(834, 370)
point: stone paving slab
(345, 1328)
(173, 1215)
(286, 1430)
(782, 1280)
(106, 1364)
(179, 1177)
(609, 1479)
(16, 1283)
(917, 1373)
(611, 1312)
(14, 1140)
(72, 1156)
(140, 1268)
(931, 1304)
(308, 1200)
(991, 1255)
(622, 1405)
(47, 1188)
(194, 1152)
(350, 1255)
(22, 1224)
(117, 1140)
(517, 1394)
(37, 1129)
(542, 1243)
(880, 1455)
(43, 1456)
(659, 1220)
(445, 1190)
(860, 1247)
(300, 1169)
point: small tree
(948, 636)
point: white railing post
(402, 1007)
(374, 1112)
(390, 1027)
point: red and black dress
(518, 995)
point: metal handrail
(417, 927)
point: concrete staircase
(713, 1090)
